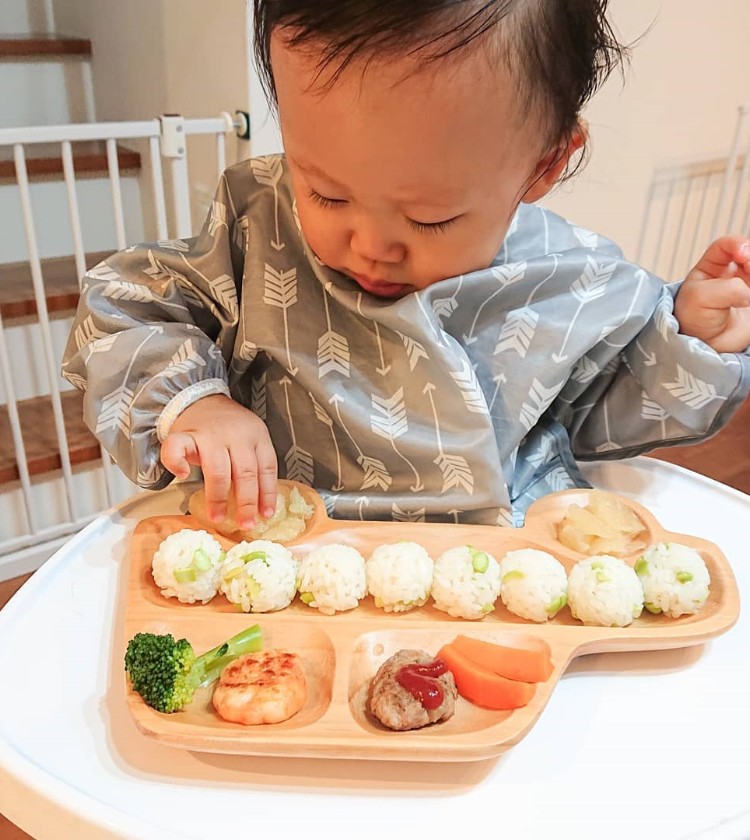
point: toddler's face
(402, 179)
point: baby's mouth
(380, 288)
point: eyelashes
(432, 227)
(330, 203)
(420, 227)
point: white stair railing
(166, 139)
(689, 205)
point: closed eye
(324, 201)
(433, 227)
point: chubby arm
(153, 334)
(713, 302)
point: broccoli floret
(166, 672)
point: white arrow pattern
(455, 469)
(691, 390)
(115, 411)
(401, 515)
(186, 359)
(414, 351)
(517, 332)
(538, 402)
(325, 419)
(87, 332)
(471, 391)
(388, 418)
(217, 218)
(506, 275)
(258, 403)
(333, 354)
(585, 371)
(268, 171)
(590, 286)
(280, 290)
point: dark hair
(559, 51)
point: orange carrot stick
(483, 688)
(522, 664)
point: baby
(384, 313)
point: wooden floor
(8, 831)
(725, 457)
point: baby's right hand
(233, 448)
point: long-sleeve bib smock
(461, 402)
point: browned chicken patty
(395, 707)
(265, 687)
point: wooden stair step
(42, 44)
(40, 438)
(60, 285)
(46, 159)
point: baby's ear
(552, 166)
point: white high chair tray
(628, 741)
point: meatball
(395, 706)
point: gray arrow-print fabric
(462, 402)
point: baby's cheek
(323, 238)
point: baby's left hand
(713, 303)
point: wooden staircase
(61, 281)
(36, 45)
(46, 160)
(60, 284)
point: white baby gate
(689, 205)
(26, 539)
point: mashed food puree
(287, 523)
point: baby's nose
(374, 245)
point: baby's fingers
(217, 476)
(267, 477)
(245, 484)
(724, 256)
(178, 452)
(723, 293)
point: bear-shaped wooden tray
(341, 653)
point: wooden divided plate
(341, 653)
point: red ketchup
(422, 683)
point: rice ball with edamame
(466, 582)
(332, 578)
(186, 566)
(399, 576)
(534, 584)
(604, 591)
(259, 576)
(675, 579)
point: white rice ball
(675, 579)
(399, 576)
(534, 584)
(332, 578)
(259, 576)
(466, 582)
(186, 566)
(605, 591)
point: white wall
(25, 16)
(678, 104)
